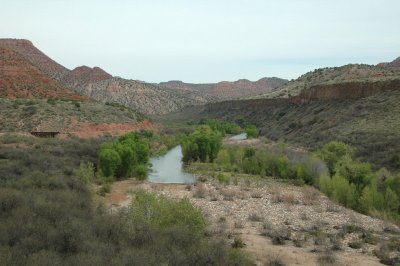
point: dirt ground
(254, 211)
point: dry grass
(310, 196)
(283, 197)
(201, 191)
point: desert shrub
(163, 213)
(238, 243)
(254, 217)
(223, 178)
(85, 172)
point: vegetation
(125, 157)
(356, 186)
(221, 126)
(278, 162)
(57, 114)
(252, 131)
(202, 145)
(49, 214)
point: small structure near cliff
(45, 134)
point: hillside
(337, 75)
(363, 114)
(19, 78)
(226, 90)
(99, 85)
(84, 75)
(83, 119)
(144, 97)
(37, 58)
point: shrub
(160, 212)
(225, 179)
(238, 243)
(141, 171)
(252, 131)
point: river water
(241, 136)
(169, 169)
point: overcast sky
(207, 40)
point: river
(169, 169)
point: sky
(208, 40)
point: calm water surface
(168, 168)
(242, 136)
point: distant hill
(98, 84)
(337, 75)
(37, 58)
(20, 79)
(84, 75)
(226, 90)
(365, 114)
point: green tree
(333, 152)
(343, 191)
(358, 173)
(252, 131)
(371, 199)
(203, 144)
(109, 161)
(392, 202)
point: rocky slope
(98, 84)
(144, 97)
(84, 75)
(37, 58)
(226, 90)
(19, 78)
(363, 114)
(337, 75)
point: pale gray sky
(208, 40)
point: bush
(223, 178)
(252, 131)
(141, 171)
(159, 212)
